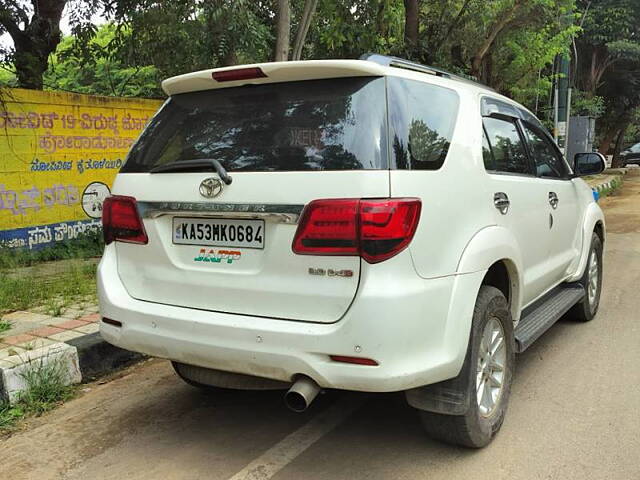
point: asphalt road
(574, 413)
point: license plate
(218, 232)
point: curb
(59, 359)
(83, 359)
(96, 357)
(608, 186)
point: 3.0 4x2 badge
(220, 256)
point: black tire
(473, 429)
(586, 310)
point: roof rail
(390, 61)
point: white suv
(371, 225)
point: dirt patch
(622, 208)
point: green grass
(616, 183)
(53, 277)
(9, 415)
(53, 289)
(46, 387)
(45, 390)
(4, 326)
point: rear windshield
(334, 124)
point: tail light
(121, 222)
(375, 229)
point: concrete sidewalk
(71, 339)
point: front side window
(332, 124)
(549, 163)
(507, 147)
(421, 119)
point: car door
(518, 197)
(562, 201)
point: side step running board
(540, 316)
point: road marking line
(285, 451)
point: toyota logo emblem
(211, 187)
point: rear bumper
(416, 329)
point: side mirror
(591, 163)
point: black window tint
(487, 155)
(506, 144)
(422, 118)
(333, 124)
(549, 162)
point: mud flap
(442, 397)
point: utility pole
(562, 102)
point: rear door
(227, 247)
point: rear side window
(421, 118)
(507, 149)
(334, 124)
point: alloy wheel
(490, 371)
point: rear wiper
(196, 165)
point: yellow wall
(59, 152)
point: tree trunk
(616, 162)
(230, 58)
(609, 137)
(303, 28)
(30, 65)
(283, 26)
(478, 59)
(382, 27)
(410, 24)
(452, 26)
(34, 39)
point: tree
(179, 36)
(610, 35)
(283, 28)
(102, 74)
(621, 91)
(608, 65)
(509, 45)
(503, 19)
(35, 32)
(34, 27)
(303, 28)
(347, 29)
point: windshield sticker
(210, 255)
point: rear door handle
(501, 202)
(553, 200)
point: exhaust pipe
(301, 394)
